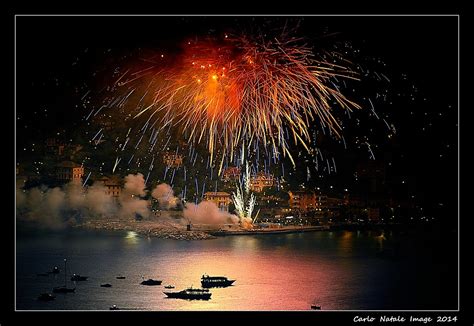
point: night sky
(56, 58)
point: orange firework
(237, 91)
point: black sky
(55, 55)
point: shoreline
(162, 230)
(147, 228)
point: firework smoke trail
(242, 91)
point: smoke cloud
(207, 212)
(135, 184)
(164, 194)
(58, 207)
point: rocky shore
(147, 228)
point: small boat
(106, 285)
(77, 277)
(120, 277)
(46, 297)
(151, 282)
(55, 270)
(114, 307)
(215, 281)
(190, 294)
(169, 287)
(64, 289)
(42, 274)
(315, 307)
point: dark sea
(339, 270)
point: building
(261, 181)
(69, 171)
(222, 199)
(333, 203)
(55, 147)
(302, 200)
(373, 214)
(172, 159)
(113, 186)
(231, 174)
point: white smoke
(130, 202)
(207, 212)
(135, 184)
(56, 207)
(164, 194)
(41, 205)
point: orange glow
(263, 90)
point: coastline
(163, 230)
(147, 228)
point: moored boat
(77, 277)
(215, 281)
(64, 289)
(151, 282)
(46, 297)
(190, 294)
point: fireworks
(243, 91)
(243, 199)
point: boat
(64, 289)
(77, 277)
(151, 282)
(46, 297)
(315, 307)
(215, 281)
(120, 277)
(55, 270)
(114, 307)
(190, 294)
(169, 287)
(106, 285)
(42, 274)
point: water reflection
(131, 238)
(282, 272)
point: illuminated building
(305, 201)
(222, 199)
(231, 174)
(69, 171)
(113, 186)
(261, 181)
(172, 159)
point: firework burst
(239, 91)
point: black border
(8, 316)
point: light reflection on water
(338, 270)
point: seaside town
(279, 204)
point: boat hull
(64, 290)
(150, 283)
(79, 278)
(185, 296)
(220, 284)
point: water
(338, 270)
